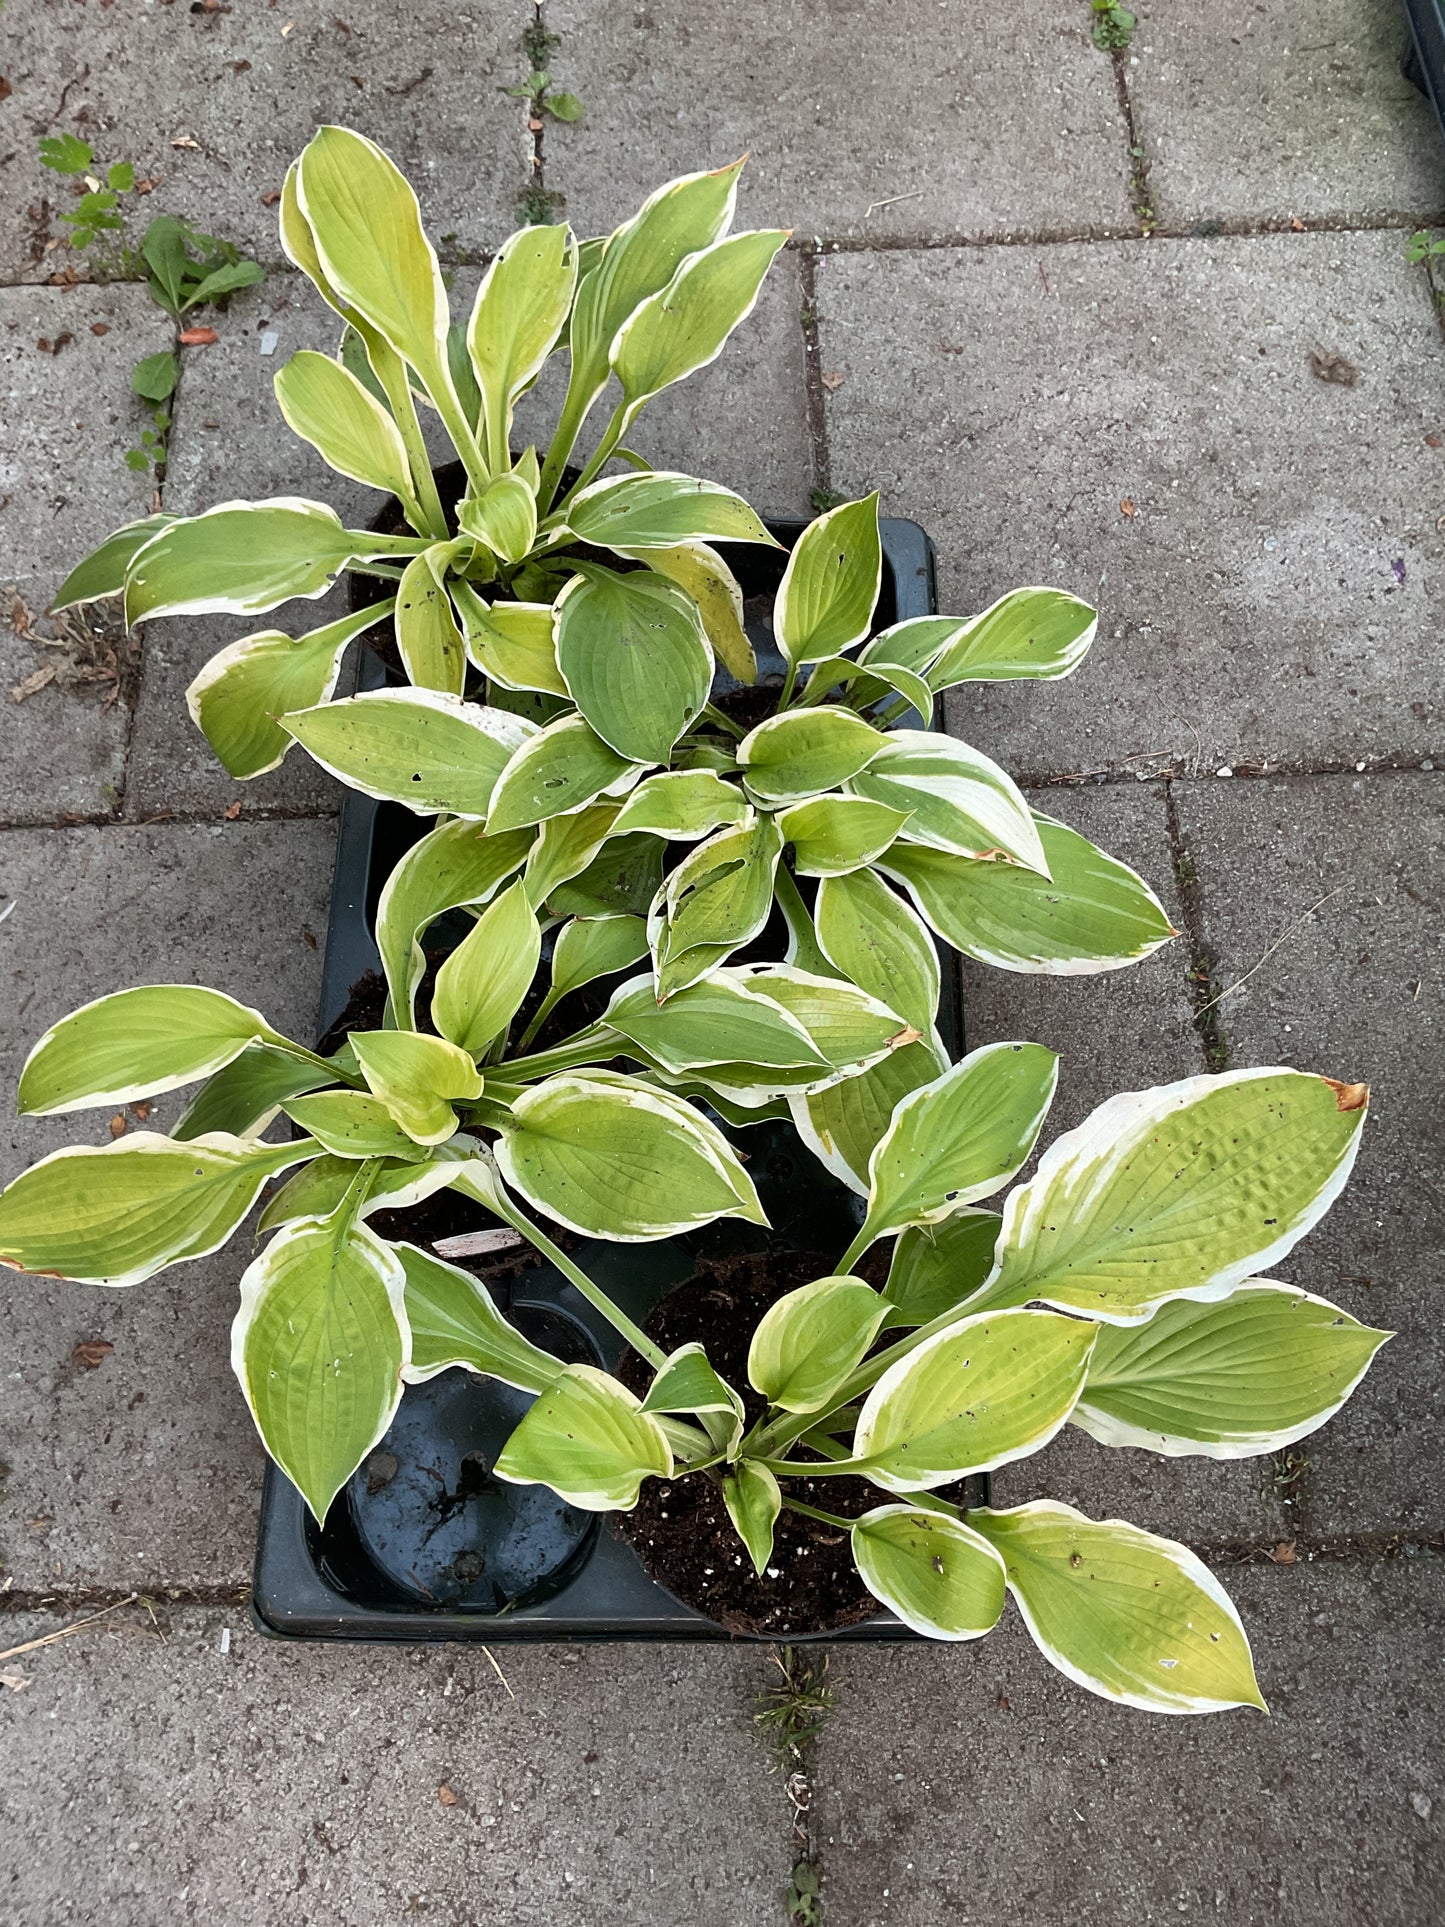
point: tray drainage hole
(381, 1469)
(473, 1475)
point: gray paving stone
(1260, 111)
(68, 418)
(1354, 991)
(977, 1784)
(260, 1783)
(146, 1470)
(966, 128)
(1252, 603)
(243, 97)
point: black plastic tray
(1424, 61)
(417, 1557)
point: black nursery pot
(425, 1544)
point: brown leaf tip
(1349, 1097)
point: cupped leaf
(659, 510)
(1091, 913)
(1185, 1191)
(480, 987)
(318, 1346)
(806, 751)
(688, 1382)
(869, 685)
(503, 516)
(1131, 1617)
(413, 746)
(511, 642)
(937, 1574)
(701, 572)
(591, 947)
(563, 768)
(938, 1266)
(1032, 635)
(454, 1321)
(610, 1158)
(589, 1439)
(237, 697)
(621, 880)
(242, 558)
(428, 638)
(911, 645)
(566, 846)
(454, 864)
(351, 1124)
(956, 799)
(848, 1027)
(682, 805)
(416, 1076)
(981, 1393)
(115, 1214)
(717, 1021)
(829, 590)
(396, 1184)
(103, 571)
(843, 1123)
(325, 404)
(519, 313)
(246, 1095)
(868, 933)
(717, 898)
(833, 835)
(635, 658)
(810, 1339)
(753, 1500)
(1249, 1374)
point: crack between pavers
(1204, 989)
(64, 1600)
(1138, 162)
(813, 374)
(167, 819)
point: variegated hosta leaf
(988, 1390)
(871, 935)
(326, 405)
(566, 847)
(396, 1184)
(428, 638)
(717, 1021)
(753, 1500)
(702, 573)
(1034, 635)
(810, 1339)
(635, 658)
(688, 1382)
(318, 1346)
(912, 645)
(1131, 1617)
(938, 1266)
(1091, 913)
(417, 1076)
(658, 510)
(503, 517)
(520, 311)
(843, 1123)
(455, 864)
(621, 880)
(850, 1027)
(413, 746)
(682, 805)
(512, 643)
(563, 768)
(114, 1214)
(352, 1124)
(830, 587)
(933, 1571)
(612, 1159)
(245, 1095)
(480, 987)
(103, 571)
(454, 1322)
(237, 697)
(1249, 1374)
(869, 684)
(832, 835)
(591, 947)
(1180, 1192)
(716, 899)
(806, 751)
(956, 799)
(242, 558)
(589, 1439)
(960, 1138)
(136, 1043)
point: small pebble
(1422, 1804)
(268, 341)
(1225, 770)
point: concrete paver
(927, 121)
(219, 1776)
(976, 1784)
(1258, 111)
(1139, 422)
(1354, 991)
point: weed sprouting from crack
(538, 204)
(790, 1716)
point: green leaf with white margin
(635, 658)
(244, 1096)
(114, 1214)
(848, 1027)
(455, 1322)
(325, 404)
(717, 898)
(610, 1158)
(1249, 1374)
(397, 1184)
(589, 1439)
(682, 805)
(937, 1574)
(810, 1339)
(318, 1346)
(417, 747)
(1185, 1191)
(958, 800)
(1029, 635)
(520, 311)
(960, 1138)
(754, 1500)
(236, 698)
(416, 1076)
(510, 642)
(563, 768)
(428, 638)
(622, 879)
(978, 1395)
(1092, 913)
(830, 587)
(480, 987)
(806, 751)
(351, 1124)
(243, 558)
(591, 947)
(868, 684)
(832, 835)
(455, 864)
(688, 1383)
(659, 510)
(504, 517)
(684, 326)
(911, 645)
(136, 1043)
(1133, 1618)
(567, 846)
(717, 1021)
(938, 1266)
(702, 573)
(843, 1123)
(103, 571)
(869, 933)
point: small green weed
(792, 1714)
(802, 1901)
(1113, 25)
(1420, 247)
(824, 499)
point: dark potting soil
(681, 1530)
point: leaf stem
(789, 682)
(865, 1241)
(590, 1046)
(816, 1512)
(723, 722)
(544, 1010)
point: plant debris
(1328, 366)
